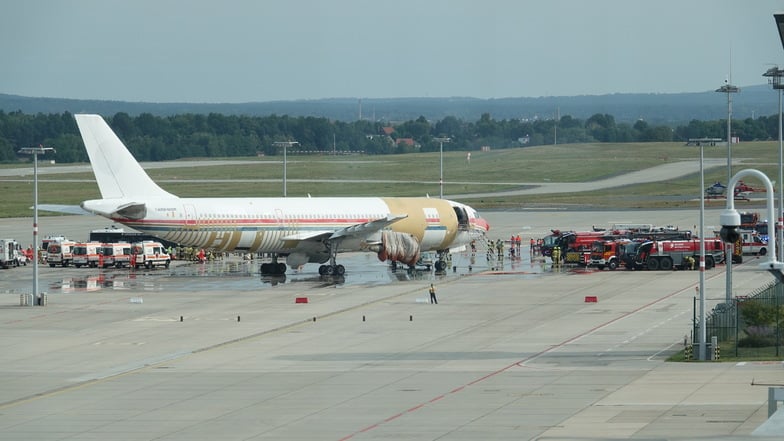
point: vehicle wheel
(709, 262)
(763, 251)
(148, 264)
(665, 264)
(653, 264)
(613, 265)
(166, 265)
(600, 267)
(78, 265)
(51, 265)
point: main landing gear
(332, 269)
(440, 264)
(273, 268)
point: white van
(116, 254)
(60, 253)
(149, 254)
(86, 254)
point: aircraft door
(462, 218)
(190, 215)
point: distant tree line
(159, 138)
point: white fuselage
(276, 225)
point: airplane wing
(353, 230)
(309, 247)
(368, 227)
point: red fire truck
(683, 254)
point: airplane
(298, 229)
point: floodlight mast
(729, 89)
(285, 145)
(441, 141)
(35, 151)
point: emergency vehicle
(609, 253)
(115, 254)
(752, 243)
(149, 254)
(575, 246)
(11, 254)
(86, 254)
(684, 254)
(60, 253)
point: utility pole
(35, 151)
(285, 145)
(441, 141)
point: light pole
(729, 89)
(779, 19)
(35, 151)
(702, 350)
(441, 141)
(775, 76)
(285, 145)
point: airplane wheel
(440, 265)
(340, 270)
(281, 269)
(322, 270)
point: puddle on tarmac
(235, 274)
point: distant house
(388, 130)
(406, 141)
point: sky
(234, 51)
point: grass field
(417, 175)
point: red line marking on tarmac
(517, 363)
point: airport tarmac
(211, 351)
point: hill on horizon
(667, 109)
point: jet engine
(399, 247)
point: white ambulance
(116, 254)
(86, 254)
(149, 254)
(60, 253)
(10, 253)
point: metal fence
(748, 327)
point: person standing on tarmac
(433, 299)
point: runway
(512, 354)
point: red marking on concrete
(591, 299)
(520, 363)
(301, 300)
